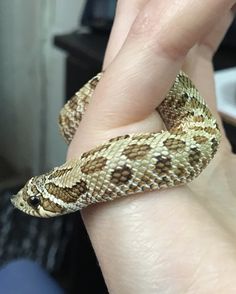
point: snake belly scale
(127, 164)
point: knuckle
(161, 43)
(170, 49)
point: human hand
(182, 239)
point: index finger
(126, 12)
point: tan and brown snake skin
(127, 164)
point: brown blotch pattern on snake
(210, 130)
(139, 137)
(198, 118)
(178, 131)
(121, 175)
(96, 150)
(181, 172)
(182, 101)
(214, 146)
(136, 151)
(162, 182)
(174, 144)
(118, 138)
(51, 206)
(67, 194)
(194, 156)
(94, 165)
(204, 162)
(73, 103)
(34, 190)
(93, 83)
(200, 139)
(59, 173)
(163, 165)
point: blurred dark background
(48, 69)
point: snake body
(128, 164)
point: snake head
(31, 201)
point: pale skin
(180, 240)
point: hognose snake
(127, 164)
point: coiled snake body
(127, 164)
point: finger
(126, 12)
(198, 64)
(147, 64)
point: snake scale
(128, 164)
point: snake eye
(34, 201)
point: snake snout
(18, 202)
(13, 199)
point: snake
(129, 164)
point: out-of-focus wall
(32, 80)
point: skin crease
(180, 240)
